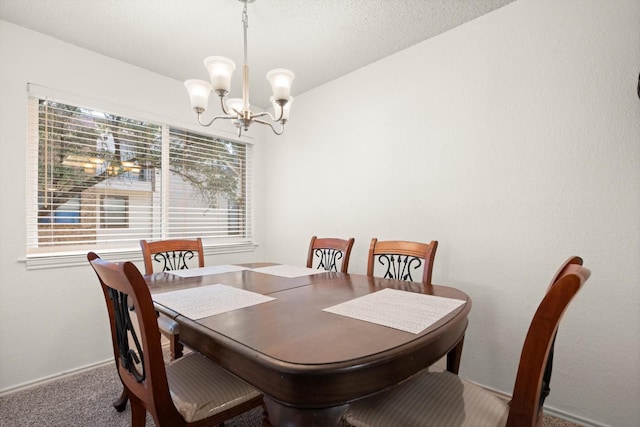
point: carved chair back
(175, 254)
(402, 260)
(329, 252)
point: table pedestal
(286, 416)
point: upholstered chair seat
(438, 399)
(200, 388)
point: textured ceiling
(320, 40)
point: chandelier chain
(245, 25)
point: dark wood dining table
(310, 363)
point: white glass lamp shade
(199, 91)
(276, 108)
(280, 80)
(220, 70)
(235, 104)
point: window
(113, 211)
(101, 180)
(68, 212)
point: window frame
(61, 257)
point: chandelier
(238, 109)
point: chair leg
(121, 403)
(175, 347)
(138, 413)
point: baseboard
(549, 410)
(573, 418)
(54, 377)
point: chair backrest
(329, 252)
(566, 266)
(171, 254)
(402, 259)
(534, 371)
(138, 349)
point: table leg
(286, 416)
(453, 357)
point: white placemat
(406, 311)
(205, 271)
(205, 301)
(289, 271)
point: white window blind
(209, 187)
(101, 180)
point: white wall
(513, 140)
(54, 320)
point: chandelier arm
(271, 126)
(213, 119)
(266, 113)
(281, 114)
(224, 109)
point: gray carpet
(81, 400)
(85, 399)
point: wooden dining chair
(328, 252)
(402, 259)
(192, 391)
(121, 403)
(445, 400)
(172, 254)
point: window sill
(74, 259)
